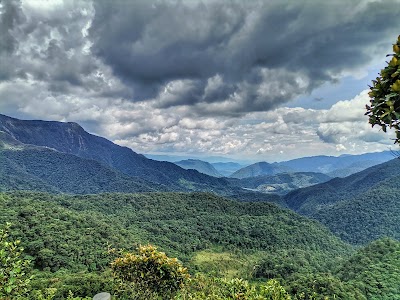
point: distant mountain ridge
(260, 168)
(200, 166)
(333, 166)
(340, 166)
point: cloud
(237, 57)
(278, 134)
(196, 76)
(214, 57)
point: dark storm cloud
(47, 45)
(259, 53)
(10, 17)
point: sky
(254, 80)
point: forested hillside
(43, 169)
(257, 241)
(359, 208)
(180, 223)
(71, 138)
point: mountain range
(333, 166)
(62, 157)
(58, 156)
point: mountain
(281, 183)
(200, 166)
(341, 166)
(28, 167)
(333, 166)
(71, 139)
(260, 168)
(359, 208)
(356, 167)
(227, 168)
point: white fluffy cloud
(274, 135)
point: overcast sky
(260, 80)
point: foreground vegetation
(62, 231)
(232, 250)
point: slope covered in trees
(70, 233)
(374, 270)
(27, 167)
(71, 138)
(359, 208)
(180, 223)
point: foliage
(384, 110)
(14, 268)
(367, 217)
(64, 282)
(62, 231)
(57, 237)
(149, 272)
(50, 294)
(359, 208)
(212, 288)
(288, 264)
(42, 169)
(374, 270)
(321, 286)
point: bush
(148, 273)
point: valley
(69, 194)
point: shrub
(148, 273)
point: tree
(148, 273)
(384, 110)
(14, 278)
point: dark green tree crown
(384, 110)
